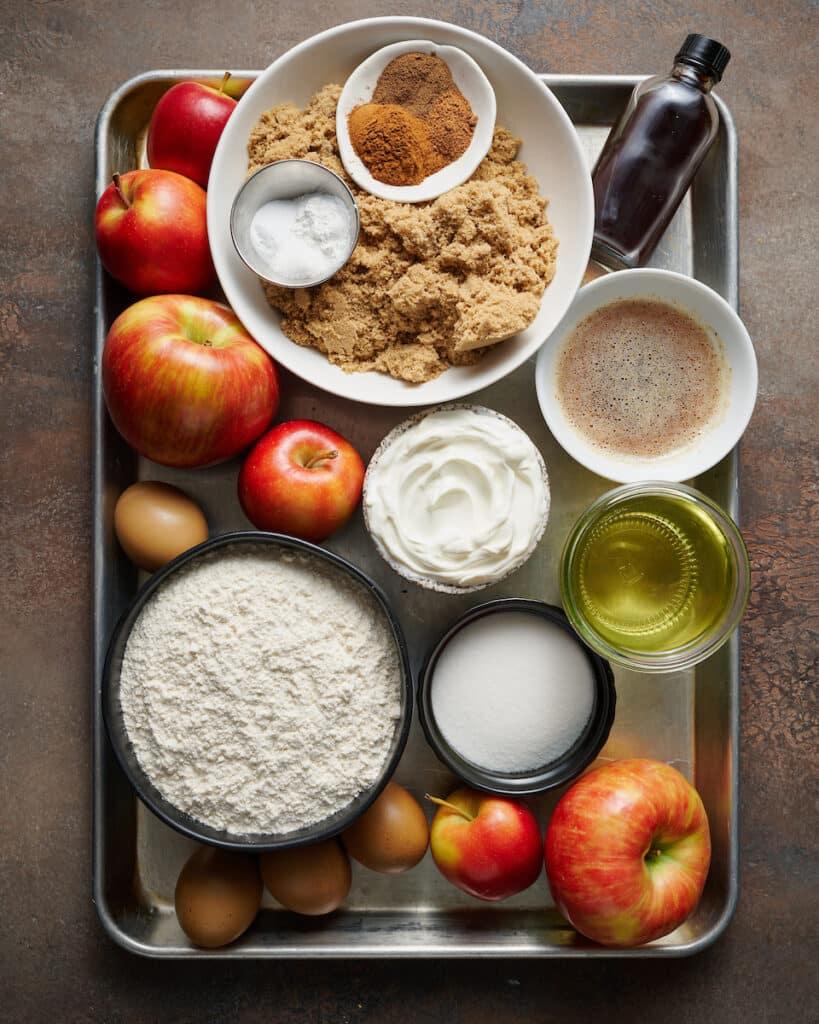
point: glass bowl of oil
(655, 576)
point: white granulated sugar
(512, 692)
(260, 691)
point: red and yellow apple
(301, 478)
(184, 382)
(627, 852)
(152, 234)
(489, 846)
(185, 127)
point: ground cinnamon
(437, 127)
(392, 142)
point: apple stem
(120, 193)
(225, 78)
(445, 803)
(320, 458)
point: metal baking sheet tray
(689, 719)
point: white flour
(260, 690)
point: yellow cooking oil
(653, 573)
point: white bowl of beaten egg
(550, 150)
(651, 375)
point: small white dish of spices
(414, 120)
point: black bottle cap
(702, 52)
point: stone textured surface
(58, 62)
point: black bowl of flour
(306, 693)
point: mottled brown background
(58, 62)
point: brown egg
(155, 522)
(218, 895)
(390, 836)
(308, 879)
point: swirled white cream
(459, 498)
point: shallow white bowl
(724, 326)
(474, 85)
(551, 149)
(428, 582)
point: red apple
(302, 478)
(184, 382)
(627, 852)
(152, 233)
(185, 127)
(489, 846)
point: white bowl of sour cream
(456, 499)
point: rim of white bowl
(691, 460)
(394, 393)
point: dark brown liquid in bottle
(648, 162)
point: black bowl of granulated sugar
(512, 701)
(257, 692)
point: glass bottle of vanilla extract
(653, 152)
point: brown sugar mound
(430, 285)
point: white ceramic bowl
(551, 150)
(713, 313)
(474, 85)
(429, 582)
